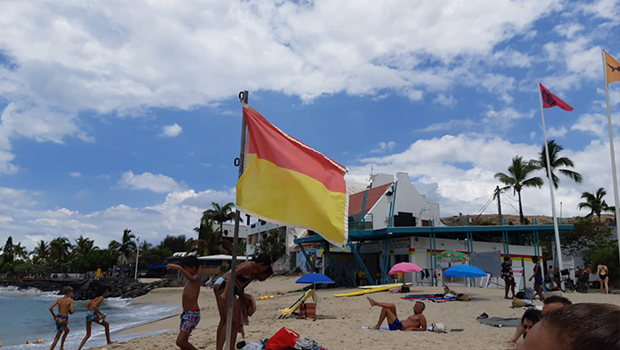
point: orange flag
(287, 182)
(613, 68)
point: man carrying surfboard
(415, 322)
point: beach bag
(439, 327)
(529, 293)
(284, 339)
(462, 297)
(520, 295)
(307, 310)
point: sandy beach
(340, 320)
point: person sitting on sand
(551, 304)
(415, 322)
(94, 315)
(528, 320)
(587, 326)
(65, 307)
(257, 269)
(549, 285)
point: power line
(517, 210)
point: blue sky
(110, 120)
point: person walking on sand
(603, 276)
(538, 279)
(65, 307)
(415, 322)
(257, 269)
(191, 311)
(508, 277)
(94, 315)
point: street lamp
(137, 256)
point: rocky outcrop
(87, 289)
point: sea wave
(13, 290)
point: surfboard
(365, 291)
(391, 285)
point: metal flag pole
(137, 257)
(243, 98)
(555, 220)
(613, 153)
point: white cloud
(76, 174)
(556, 132)
(592, 123)
(454, 124)
(179, 213)
(458, 172)
(147, 181)
(171, 130)
(446, 101)
(384, 147)
(568, 29)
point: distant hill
(493, 219)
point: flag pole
(243, 98)
(555, 220)
(613, 153)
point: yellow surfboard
(365, 291)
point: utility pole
(499, 203)
(137, 257)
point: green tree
(595, 203)
(221, 214)
(587, 233)
(60, 250)
(175, 243)
(273, 245)
(605, 253)
(20, 251)
(518, 177)
(214, 244)
(99, 258)
(126, 247)
(556, 162)
(8, 252)
(41, 253)
(84, 246)
(156, 255)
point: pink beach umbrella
(404, 267)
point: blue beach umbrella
(464, 271)
(314, 278)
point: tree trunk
(520, 209)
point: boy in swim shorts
(94, 315)
(65, 307)
(191, 311)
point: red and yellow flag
(613, 68)
(289, 183)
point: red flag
(551, 100)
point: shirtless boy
(191, 311)
(65, 307)
(94, 315)
(415, 322)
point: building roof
(355, 187)
(373, 195)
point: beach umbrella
(404, 267)
(464, 271)
(453, 254)
(314, 278)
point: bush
(605, 254)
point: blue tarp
(155, 267)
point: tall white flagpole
(613, 154)
(551, 188)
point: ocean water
(24, 315)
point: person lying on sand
(415, 322)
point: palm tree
(41, 252)
(20, 251)
(595, 203)
(126, 248)
(83, 246)
(517, 178)
(214, 243)
(60, 249)
(145, 246)
(221, 214)
(556, 162)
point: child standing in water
(65, 307)
(191, 311)
(94, 315)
